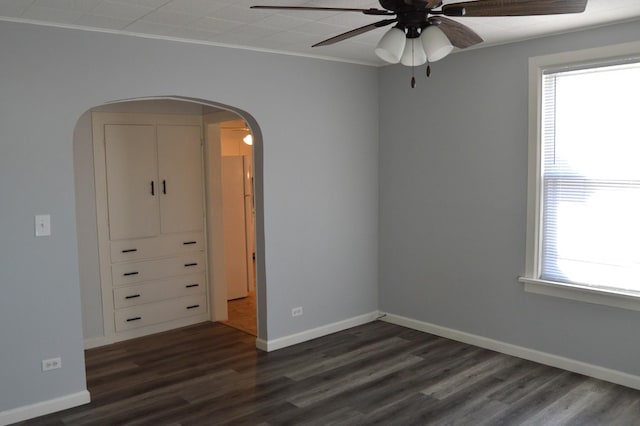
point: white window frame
(537, 66)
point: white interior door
(132, 186)
(180, 178)
(233, 216)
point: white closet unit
(149, 199)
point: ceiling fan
(423, 32)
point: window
(584, 177)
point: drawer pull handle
(134, 319)
(192, 285)
(188, 243)
(126, 274)
(193, 306)
(186, 265)
(153, 188)
(133, 296)
(129, 250)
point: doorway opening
(238, 215)
(96, 327)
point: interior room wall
(318, 219)
(453, 198)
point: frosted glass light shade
(435, 43)
(248, 139)
(391, 45)
(413, 54)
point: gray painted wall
(318, 123)
(453, 191)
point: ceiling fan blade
(514, 7)
(355, 32)
(427, 4)
(460, 35)
(370, 11)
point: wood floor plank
(454, 382)
(537, 399)
(611, 406)
(330, 363)
(328, 388)
(563, 409)
(383, 391)
(374, 374)
(404, 412)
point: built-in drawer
(134, 272)
(154, 291)
(162, 246)
(154, 313)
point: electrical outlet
(51, 364)
(296, 312)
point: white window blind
(590, 193)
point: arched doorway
(212, 114)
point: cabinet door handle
(164, 186)
(193, 306)
(126, 274)
(153, 188)
(191, 285)
(186, 265)
(133, 296)
(134, 319)
(189, 243)
(129, 250)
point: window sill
(618, 299)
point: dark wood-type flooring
(376, 374)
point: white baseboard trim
(602, 373)
(45, 407)
(314, 333)
(262, 344)
(95, 342)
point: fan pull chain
(413, 67)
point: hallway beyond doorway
(242, 314)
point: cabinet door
(132, 186)
(180, 171)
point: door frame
(216, 285)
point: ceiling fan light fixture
(414, 54)
(421, 18)
(435, 43)
(391, 45)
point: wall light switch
(43, 225)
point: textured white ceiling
(231, 22)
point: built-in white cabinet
(180, 178)
(154, 181)
(149, 199)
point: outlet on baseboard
(296, 312)
(51, 364)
